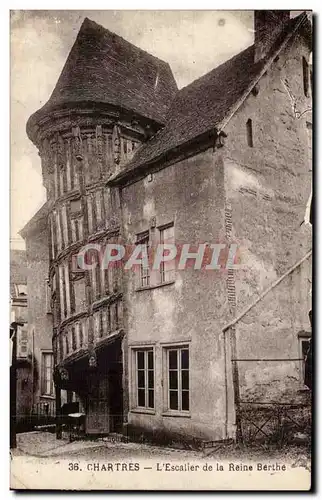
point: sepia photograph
(161, 250)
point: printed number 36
(73, 466)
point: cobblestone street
(42, 461)
(45, 445)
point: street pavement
(45, 445)
(40, 461)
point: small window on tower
(79, 294)
(75, 206)
(249, 131)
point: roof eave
(206, 138)
(34, 121)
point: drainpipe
(226, 388)
(235, 375)
(219, 142)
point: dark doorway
(104, 408)
(97, 411)
(116, 397)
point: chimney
(268, 25)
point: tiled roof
(38, 221)
(104, 68)
(198, 107)
(202, 106)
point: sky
(192, 42)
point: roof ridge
(215, 68)
(91, 23)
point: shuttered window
(47, 365)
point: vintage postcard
(161, 250)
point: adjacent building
(127, 158)
(19, 315)
(35, 234)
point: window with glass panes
(143, 240)
(145, 378)
(178, 379)
(167, 268)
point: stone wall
(39, 321)
(188, 310)
(252, 193)
(267, 188)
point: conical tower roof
(104, 68)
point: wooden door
(97, 418)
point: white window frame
(144, 273)
(135, 398)
(164, 273)
(166, 369)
